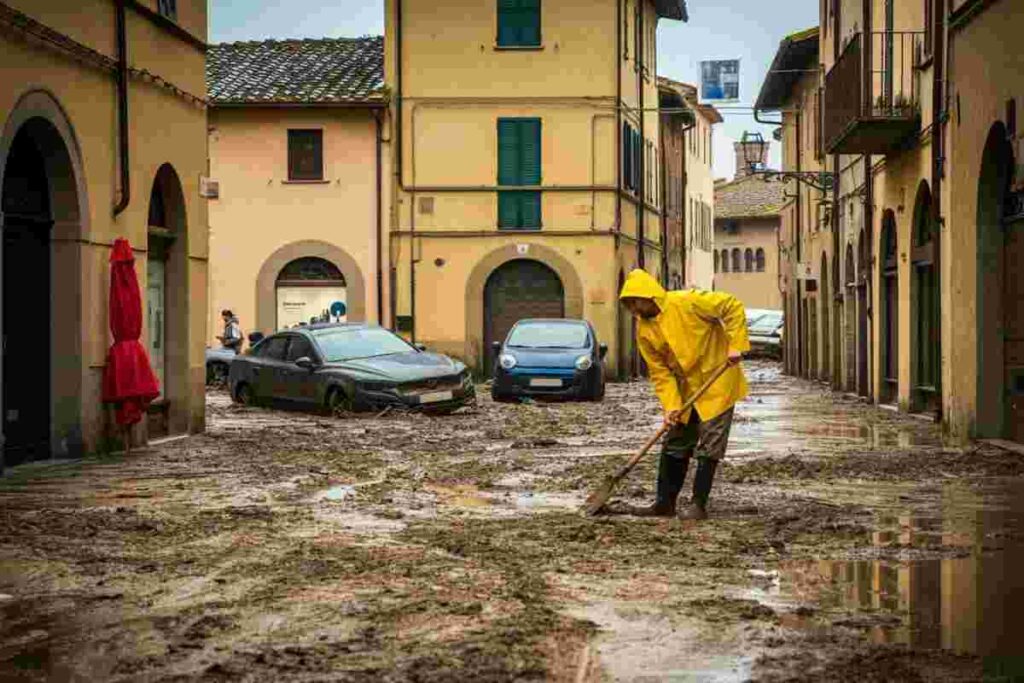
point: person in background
(232, 337)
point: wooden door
(517, 290)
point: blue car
(549, 357)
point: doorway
(826, 330)
(309, 290)
(519, 289)
(862, 316)
(27, 337)
(926, 312)
(890, 309)
(1000, 288)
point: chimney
(742, 168)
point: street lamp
(754, 153)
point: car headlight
(584, 363)
(507, 361)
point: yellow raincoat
(688, 341)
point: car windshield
(342, 344)
(768, 321)
(550, 336)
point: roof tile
(748, 197)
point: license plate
(436, 397)
(545, 382)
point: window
(759, 257)
(725, 260)
(518, 23)
(519, 164)
(748, 261)
(927, 44)
(274, 348)
(168, 8)
(299, 348)
(305, 155)
(736, 261)
(716, 260)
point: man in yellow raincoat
(684, 337)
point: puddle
(339, 493)
(633, 646)
(469, 496)
(969, 603)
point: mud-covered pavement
(847, 543)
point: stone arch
(571, 283)
(39, 135)
(266, 280)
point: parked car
(764, 327)
(549, 357)
(218, 362)
(348, 366)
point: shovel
(598, 499)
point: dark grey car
(348, 367)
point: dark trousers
(705, 439)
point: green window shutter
(627, 157)
(529, 210)
(530, 151)
(508, 209)
(509, 152)
(518, 23)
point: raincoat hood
(640, 284)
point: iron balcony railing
(872, 99)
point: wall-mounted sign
(720, 80)
(522, 249)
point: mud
(845, 542)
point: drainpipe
(399, 156)
(379, 120)
(938, 151)
(122, 107)
(685, 197)
(801, 342)
(618, 120)
(642, 197)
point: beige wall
(754, 289)
(165, 128)
(262, 221)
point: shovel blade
(597, 500)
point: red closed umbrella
(128, 379)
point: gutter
(641, 208)
(379, 120)
(939, 118)
(618, 118)
(399, 166)
(122, 107)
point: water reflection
(968, 603)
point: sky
(749, 30)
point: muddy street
(845, 542)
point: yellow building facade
(303, 182)
(526, 166)
(916, 276)
(102, 135)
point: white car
(764, 327)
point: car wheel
(216, 374)
(500, 397)
(243, 395)
(338, 401)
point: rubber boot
(701, 489)
(671, 477)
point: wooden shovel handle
(631, 463)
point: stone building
(297, 148)
(102, 135)
(915, 118)
(526, 166)
(746, 243)
(689, 209)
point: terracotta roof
(309, 71)
(748, 197)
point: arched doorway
(862, 315)
(519, 289)
(306, 290)
(889, 315)
(837, 324)
(39, 201)
(851, 321)
(1000, 391)
(826, 358)
(926, 308)
(167, 302)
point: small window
(168, 8)
(748, 261)
(299, 348)
(274, 348)
(518, 23)
(725, 260)
(305, 155)
(759, 257)
(737, 265)
(716, 260)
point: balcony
(872, 108)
